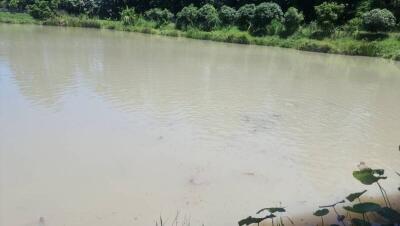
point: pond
(110, 128)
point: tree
(17, 5)
(43, 9)
(292, 21)
(264, 14)
(207, 18)
(245, 15)
(227, 15)
(160, 16)
(186, 17)
(378, 20)
(328, 13)
(77, 7)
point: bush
(293, 20)
(207, 18)
(186, 17)
(128, 16)
(353, 25)
(264, 14)
(378, 20)
(245, 15)
(43, 9)
(227, 15)
(276, 27)
(328, 13)
(161, 17)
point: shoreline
(388, 48)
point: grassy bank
(348, 45)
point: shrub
(353, 25)
(264, 14)
(227, 15)
(293, 20)
(328, 13)
(207, 18)
(186, 17)
(245, 15)
(378, 20)
(128, 16)
(160, 16)
(43, 9)
(276, 27)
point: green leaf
(250, 220)
(254, 220)
(390, 214)
(354, 196)
(364, 207)
(367, 176)
(321, 212)
(272, 210)
(359, 222)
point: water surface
(110, 128)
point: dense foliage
(42, 9)
(207, 18)
(264, 14)
(309, 19)
(227, 15)
(187, 17)
(292, 21)
(159, 16)
(378, 20)
(328, 14)
(245, 16)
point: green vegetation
(207, 18)
(328, 14)
(159, 16)
(128, 16)
(379, 20)
(362, 213)
(357, 27)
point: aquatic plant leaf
(250, 220)
(272, 210)
(359, 222)
(254, 220)
(321, 212)
(390, 214)
(354, 196)
(367, 176)
(364, 207)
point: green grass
(16, 18)
(348, 45)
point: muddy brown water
(109, 128)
